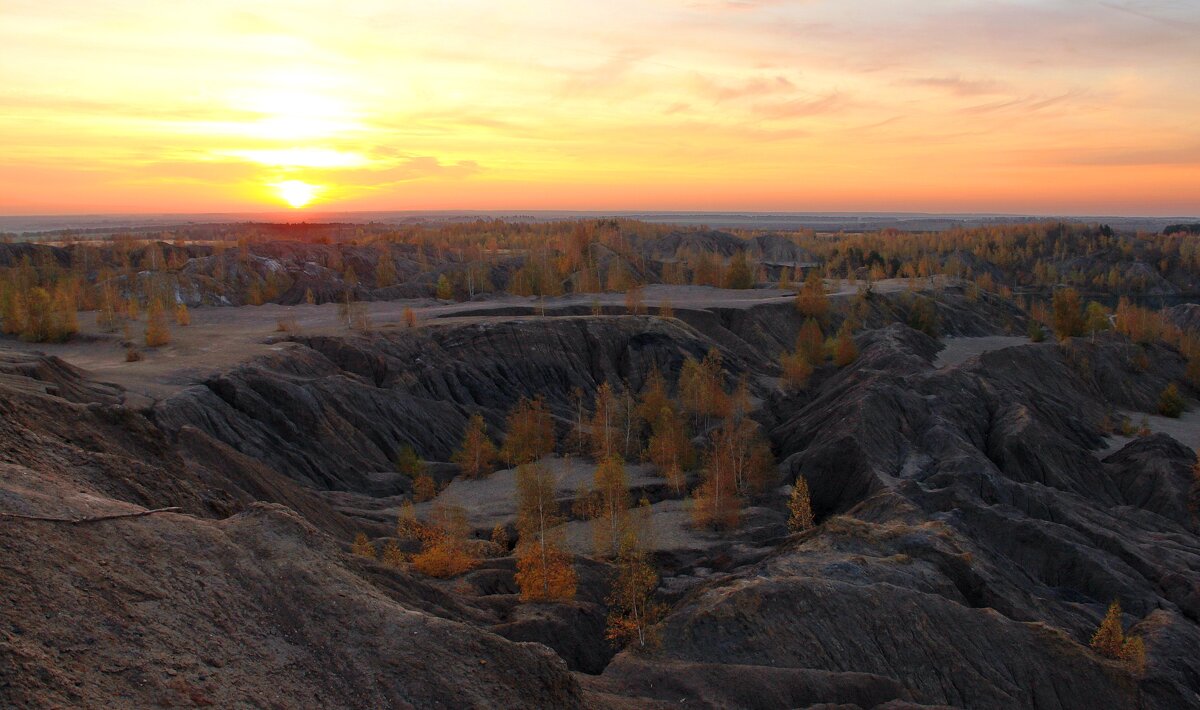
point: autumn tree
(738, 462)
(610, 507)
(797, 370)
(701, 387)
(579, 437)
(392, 555)
(1170, 402)
(445, 290)
(603, 424)
(669, 448)
(1068, 313)
(1095, 319)
(156, 325)
(811, 300)
(530, 432)
(633, 613)
(1110, 640)
(544, 570)
(499, 539)
(408, 527)
(385, 270)
(424, 488)
(408, 462)
(446, 550)
(800, 514)
(362, 546)
(629, 423)
(810, 342)
(845, 351)
(739, 275)
(477, 455)
(715, 502)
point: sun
(296, 193)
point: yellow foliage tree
(362, 546)
(797, 370)
(610, 511)
(669, 448)
(544, 570)
(530, 433)
(634, 614)
(392, 555)
(477, 454)
(845, 350)
(1110, 640)
(800, 516)
(424, 488)
(701, 388)
(157, 333)
(811, 300)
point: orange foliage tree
(610, 506)
(670, 448)
(477, 454)
(445, 545)
(544, 570)
(634, 614)
(800, 514)
(700, 387)
(845, 351)
(530, 433)
(811, 300)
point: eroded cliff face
(972, 537)
(228, 601)
(971, 531)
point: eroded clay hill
(971, 531)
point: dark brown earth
(971, 533)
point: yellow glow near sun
(296, 193)
(294, 113)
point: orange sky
(1065, 106)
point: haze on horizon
(950, 106)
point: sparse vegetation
(1170, 402)
(800, 514)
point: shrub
(362, 546)
(1170, 402)
(392, 555)
(424, 488)
(409, 463)
(445, 549)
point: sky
(1035, 107)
